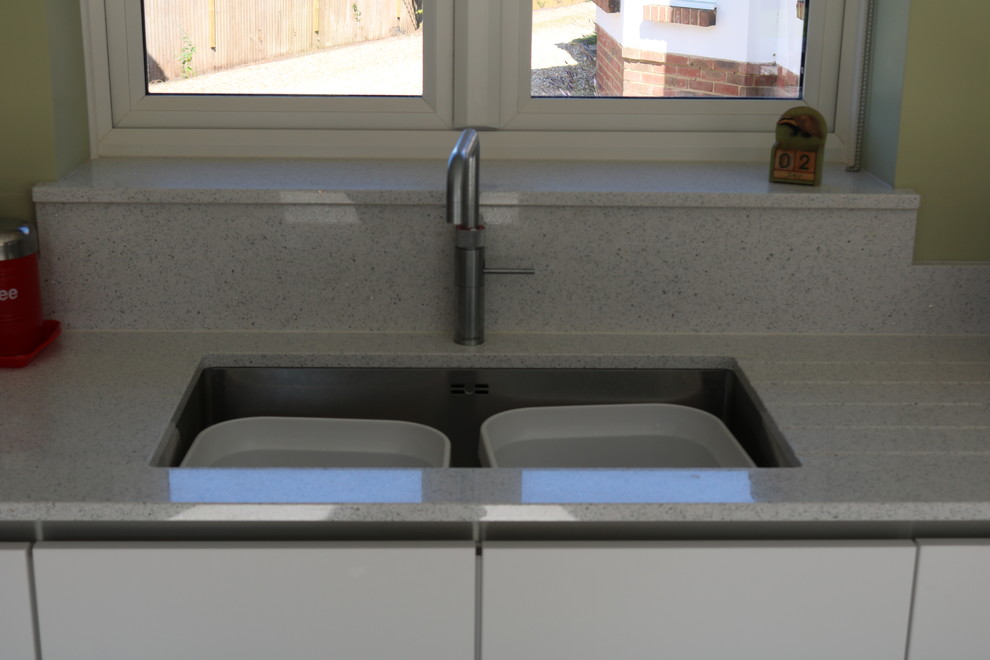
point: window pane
(668, 48)
(284, 47)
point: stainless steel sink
(457, 401)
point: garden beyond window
(579, 48)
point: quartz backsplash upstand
(133, 252)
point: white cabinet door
(163, 601)
(697, 600)
(16, 621)
(951, 617)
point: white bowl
(318, 442)
(635, 435)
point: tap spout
(469, 240)
(462, 181)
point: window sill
(422, 182)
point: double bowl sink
(469, 418)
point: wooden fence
(191, 37)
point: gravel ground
(561, 67)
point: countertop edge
(504, 183)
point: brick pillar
(608, 65)
(635, 72)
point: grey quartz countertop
(887, 428)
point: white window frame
(480, 78)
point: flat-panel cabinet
(16, 621)
(697, 600)
(951, 617)
(162, 601)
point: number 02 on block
(790, 165)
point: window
(284, 47)
(668, 49)
(479, 66)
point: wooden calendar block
(798, 154)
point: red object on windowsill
(49, 331)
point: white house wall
(746, 31)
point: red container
(20, 289)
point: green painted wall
(944, 145)
(44, 130)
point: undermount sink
(456, 402)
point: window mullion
(477, 63)
(438, 58)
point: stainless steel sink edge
(457, 399)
